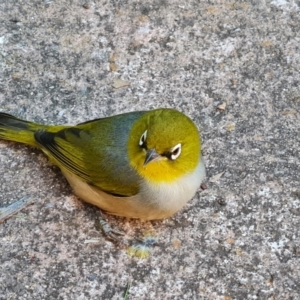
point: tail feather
(17, 130)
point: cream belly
(154, 201)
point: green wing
(64, 149)
(95, 151)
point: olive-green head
(164, 145)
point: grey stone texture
(61, 61)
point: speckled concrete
(239, 238)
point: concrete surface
(239, 238)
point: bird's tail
(17, 130)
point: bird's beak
(151, 155)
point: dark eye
(175, 152)
(142, 142)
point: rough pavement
(233, 67)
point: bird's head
(164, 145)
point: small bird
(144, 164)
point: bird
(142, 164)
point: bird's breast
(153, 201)
(168, 198)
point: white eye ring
(175, 151)
(143, 138)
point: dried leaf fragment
(230, 127)
(216, 177)
(222, 106)
(113, 67)
(289, 112)
(86, 5)
(119, 83)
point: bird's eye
(142, 142)
(175, 152)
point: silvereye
(144, 164)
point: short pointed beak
(150, 156)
